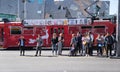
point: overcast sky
(113, 6)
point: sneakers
(39, 55)
(35, 55)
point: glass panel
(99, 29)
(73, 29)
(15, 30)
(28, 30)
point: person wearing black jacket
(54, 42)
(79, 43)
(21, 44)
(110, 41)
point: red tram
(11, 31)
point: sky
(113, 6)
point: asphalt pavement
(11, 61)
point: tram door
(1, 36)
(57, 30)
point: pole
(44, 7)
(25, 14)
(18, 9)
(118, 31)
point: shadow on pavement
(41, 56)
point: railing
(57, 21)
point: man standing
(110, 41)
(90, 44)
(39, 45)
(79, 43)
(21, 44)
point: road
(10, 61)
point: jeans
(22, 50)
(109, 47)
(38, 48)
(84, 50)
(54, 48)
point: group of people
(57, 44)
(105, 44)
(82, 44)
(21, 43)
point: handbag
(99, 45)
(84, 42)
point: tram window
(40, 30)
(28, 30)
(63, 30)
(73, 29)
(1, 35)
(99, 29)
(55, 31)
(86, 27)
(15, 30)
(51, 30)
(58, 30)
(99, 26)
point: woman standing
(73, 45)
(99, 45)
(85, 41)
(60, 43)
(54, 41)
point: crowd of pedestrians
(80, 44)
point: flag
(40, 1)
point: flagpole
(44, 9)
(18, 9)
(25, 14)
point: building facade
(56, 9)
